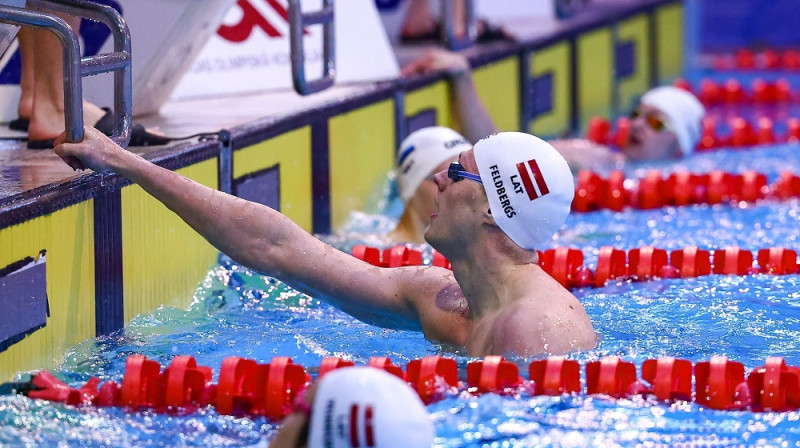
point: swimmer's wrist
(460, 75)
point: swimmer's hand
(439, 60)
(582, 154)
(95, 152)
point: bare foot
(47, 120)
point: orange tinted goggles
(652, 120)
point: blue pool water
(237, 312)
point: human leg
(47, 81)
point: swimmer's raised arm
(269, 242)
(473, 118)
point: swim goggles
(456, 172)
(652, 120)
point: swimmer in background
(496, 300)
(422, 154)
(430, 150)
(387, 413)
(667, 124)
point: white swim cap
(367, 407)
(683, 111)
(529, 186)
(421, 152)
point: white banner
(250, 51)
(166, 36)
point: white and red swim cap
(529, 186)
(421, 152)
(683, 112)
(367, 407)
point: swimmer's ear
(488, 218)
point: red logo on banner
(530, 170)
(252, 18)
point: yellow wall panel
(553, 60)
(163, 258)
(435, 96)
(67, 235)
(498, 87)
(361, 154)
(635, 30)
(595, 77)
(291, 152)
(669, 42)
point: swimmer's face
(650, 137)
(458, 207)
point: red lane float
(681, 188)
(611, 264)
(719, 384)
(691, 261)
(493, 374)
(670, 378)
(247, 388)
(555, 375)
(611, 376)
(777, 386)
(432, 377)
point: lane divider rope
(566, 265)
(615, 192)
(247, 388)
(767, 59)
(741, 133)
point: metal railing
(469, 25)
(298, 21)
(75, 67)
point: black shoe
(139, 135)
(19, 124)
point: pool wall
(113, 252)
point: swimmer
(421, 154)
(388, 413)
(501, 201)
(430, 150)
(666, 125)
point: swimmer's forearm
(269, 242)
(474, 120)
(250, 233)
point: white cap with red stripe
(367, 407)
(529, 186)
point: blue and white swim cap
(421, 152)
(529, 186)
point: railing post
(297, 23)
(469, 24)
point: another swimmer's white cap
(529, 186)
(368, 407)
(421, 152)
(683, 111)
